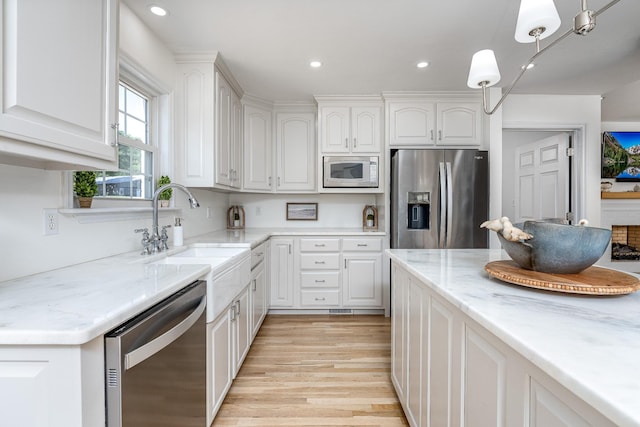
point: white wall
(542, 111)
(334, 210)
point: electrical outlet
(50, 222)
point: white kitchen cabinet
(282, 279)
(240, 328)
(208, 123)
(219, 361)
(399, 343)
(362, 273)
(257, 167)
(53, 386)
(350, 129)
(319, 261)
(59, 91)
(258, 287)
(431, 122)
(450, 371)
(295, 152)
(228, 142)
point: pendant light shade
(484, 68)
(536, 14)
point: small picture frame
(302, 211)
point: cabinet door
(235, 142)
(417, 369)
(484, 388)
(223, 123)
(411, 124)
(459, 123)
(365, 129)
(242, 331)
(295, 145)
(219, 362)
(399, 285)
(194, 100)
(258, 298)
(59, 82)
(334, 130)
(362, 280)
(257, 149)
(281, 254)
(441, 365)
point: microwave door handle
(449, 205)
(442, 231)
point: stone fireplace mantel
(620, 212)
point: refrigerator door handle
(442, 232)
(449, 204)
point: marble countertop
(589, 344)
(75, 304)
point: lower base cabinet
(450, 371)
(220, 362)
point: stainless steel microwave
(350, 172)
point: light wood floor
(316, 371)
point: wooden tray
(592, 281)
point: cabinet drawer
(319, 245)
(319, 261)
(320, 298)
(361, 244)
(329, 279)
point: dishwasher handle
(144, 352)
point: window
(134, 177)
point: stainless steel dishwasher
(156, 364)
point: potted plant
(165, 195)
(85, 187)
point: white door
(542, 179)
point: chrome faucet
(156, 239)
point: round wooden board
(592, 281)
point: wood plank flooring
(318, 370)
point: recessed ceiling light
(422, 64)
(315, 64)
(157, 10)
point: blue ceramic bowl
(557, 248)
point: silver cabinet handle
(319, 245)
(345, 263)
(278, 181)
(319, 299)
(238, 307)
(440, 135)
(115, 126)
(346, 143)
(254, 285)
(233, 313)
(432, 134)
(289, 249)
(354, 142)
(363, 245)
(320, 281)
(269, 181)
(319, 262)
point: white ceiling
(372, 46)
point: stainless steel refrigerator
(439, 198)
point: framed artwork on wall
(302, 211)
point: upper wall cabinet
(208, 123)
(59, 83)
(258, 146)
(423, 122)
(349, 124)
(295, 152)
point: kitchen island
(491, 353)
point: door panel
(542, 175)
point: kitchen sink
(210, 252)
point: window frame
(159, 111)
